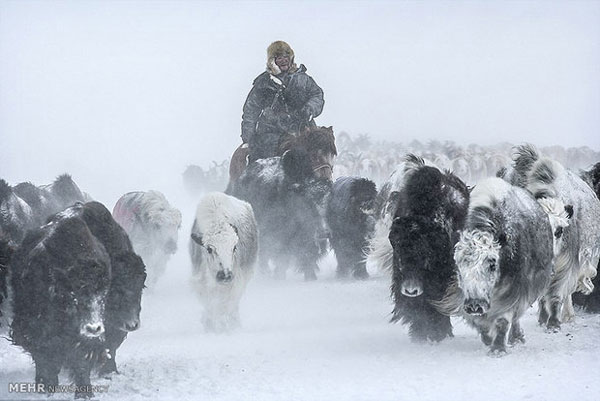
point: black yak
(504, 261)
(432, 207)
(351, 223)
(289, 203)
(60, 276)
(80, 274)
(123, 304)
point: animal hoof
(310, 275)
(361, 274)
(497, 352)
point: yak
(123, 304)
(432, 207)
(61, 278)
(504, 261)
(223, 248)
(351, 224)
(591, 303)
(152, 225)
(289, 203)
(578, 253)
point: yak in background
(289, 202)
(351, 223)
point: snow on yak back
(591, 302)
(16, 216)
(504, 260)
(578, 247)
(61, 277)
(380, 250)
(289, 202)
(123, 305)
(432, 207)
(223, 248)
(152, 225)
(351, 222)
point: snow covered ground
(325, 340)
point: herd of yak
(72, 273)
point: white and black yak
(576, 258)
(77, 289)
(61, 276)
(223, 248)
(591, 303)
(289, 202)
(351, 224)
(432, 207)
(152, 225)
(504, 261)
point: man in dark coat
(282, 99)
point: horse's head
(319, 143)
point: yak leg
(80, 372)
(543, 311)
(282, 263)
(502, 326)
(426, 323)
(568, 310)
(46, 371)
(516, 333)
(555, 311)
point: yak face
(125, 296)
(219, 245)
(162, 222)
(559, 215)
(422, 255)
(477, 257)
(82, 291)
(314, 202)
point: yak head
(559, 215)
(219, 245)
(124, 300)
(162, 222)
(477, 257)
(81, 291)
(422, 255)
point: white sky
(123, 95)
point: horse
(318, 142)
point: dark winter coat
(272, 109)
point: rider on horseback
(283, 99)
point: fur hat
(279, 48)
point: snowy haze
(123, 95)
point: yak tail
(541, 178)
(452, 302)
(380, 252)
(524, 156)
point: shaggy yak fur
(60, 278)
(591, 303)
(223, 248)
(26, 206)
(432, 207)
(123, 305)
(380, 252)
(578, 249)
(6, 252)
(289, 203)
(152, 225)
(504, 261)
(77, 291)
(351, 222)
